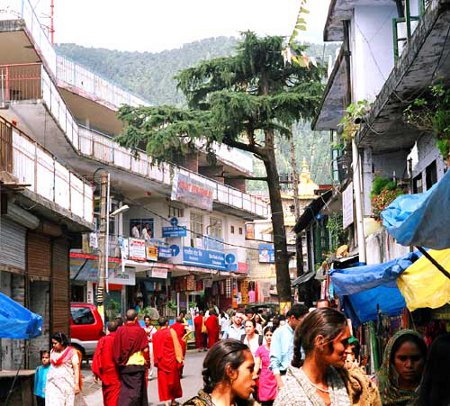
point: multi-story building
(182, 238)
(392, 51)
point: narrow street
(191, 382)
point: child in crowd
(40, 378)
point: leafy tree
(244, 101)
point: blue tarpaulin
(421, 219)
(16, 321)
(364, 289)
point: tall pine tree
(243, 101)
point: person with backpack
(251, 337)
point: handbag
(204, 329)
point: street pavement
(192, 381)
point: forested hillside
(150, 75)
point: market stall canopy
(422, 285)
(418, 219)
(16, 321)
(366, 290)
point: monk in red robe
(212, 325)
(200, 334)
(130, 353)
(180, 329)
(104, 368)
(168, 358)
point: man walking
(131, 356)
(104, 367)
(168, 356)
(236, 328)
(200, 331)
(282, 346)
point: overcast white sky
(156, 25)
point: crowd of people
(308, 357)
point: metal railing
(103, 148)
(20, 82)
(36, 168)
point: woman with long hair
(435, 386)
(64, 376)
(251, 337)
(403, 362)
(320, 378)
(227, 376)
(267, 384)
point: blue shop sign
(204, 258)
(164, 252)
(174, 231)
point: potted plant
(384, 192)
(354, 115)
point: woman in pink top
(267, 387)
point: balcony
(29, 166)
(30, 82)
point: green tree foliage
(246, 101)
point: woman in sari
(403, 362)
(64, 377)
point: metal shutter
(12, 244)
(60, 286)
(39, 254)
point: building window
(175, 212)
(196, 228)
(417, 184)
(232, 229)
(215, 227)
(431, 175)
(240, 231)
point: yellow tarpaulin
(423, 285)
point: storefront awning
(419, 219)
(16, 321)
(367, 290)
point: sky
(157, 25)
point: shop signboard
(347, 206)
(192, 191)
(136, 249)
(157, 273)
(116, 276)
(204, 258)
(164, 252)
(175, 230)
(266, 254)
(152, 252)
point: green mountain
(150, 76)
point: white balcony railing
(104, 149)
(36, 168)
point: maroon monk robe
(180, 329)
(105, 369)
(165, 357)
(200, 338)
(130, 339)
(212, 325)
